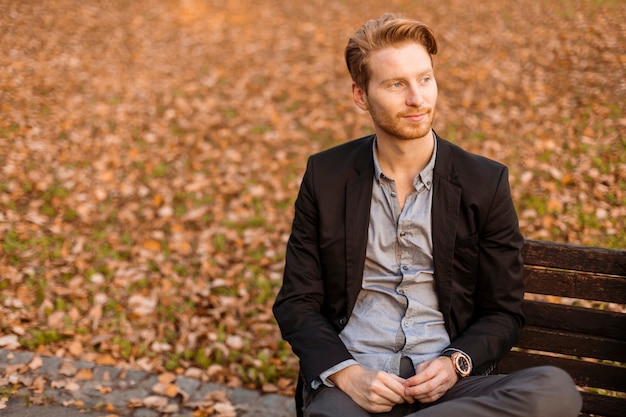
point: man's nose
(415, 96)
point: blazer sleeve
(300, 304)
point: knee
(562, 389)
(556, 379)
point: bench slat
(574, 344)
(575, 284)
(585, 373)
(579, 258)
(559, 334)
(601, 323)
(602, 405)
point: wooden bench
(584, 337)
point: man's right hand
(374, 391)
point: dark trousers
(535, 392)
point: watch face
(462, 364)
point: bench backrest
(582, 334)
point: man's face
(402, 92)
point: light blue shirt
(396, 313)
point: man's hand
(432, 380)
(374, 391)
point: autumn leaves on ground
(150, 154)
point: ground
(150, 154)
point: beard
(399, 128)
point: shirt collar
(425, 177)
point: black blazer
(476, 250)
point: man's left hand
(432, 380)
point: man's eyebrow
(429, 71)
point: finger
(432, 389)
(424, 372)
(395, 389)
(430, 384)
(422, 390)
(400, 388)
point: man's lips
(414, 117)
(415, 114)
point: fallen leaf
(167, 377)
(84, 375)
(9, 341)
(68, 368)
(156, 402)
(38, 386)
(35, 363)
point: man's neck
(404, 158)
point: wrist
(461, 362)
(338, 377)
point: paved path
(83, 389)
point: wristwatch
(461, 362)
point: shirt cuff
(323, 378)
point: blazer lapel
(445, 213)
(358, 201)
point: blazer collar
(445, 214)
(364, 161)
(444, 164)
(356, 216)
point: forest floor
(151, 152)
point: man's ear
(360, 97)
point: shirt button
(406, 268)
(393, 194)
(402, 234)
(406, 323)
(401, 292)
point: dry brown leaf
(225, 410)
(72, 386)
(167, 377)
(269, 388)
(58, 384)
(68, 368)
(38, 386)
(135, 403)
(35, 363)
(152, 245)
(84, 375)
(104, 390)
(9, 341)
(37, 400)
(75, 348)
(156, 402)
(172, 391)
(105, 360)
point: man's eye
(396, 85)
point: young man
(403, 277)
